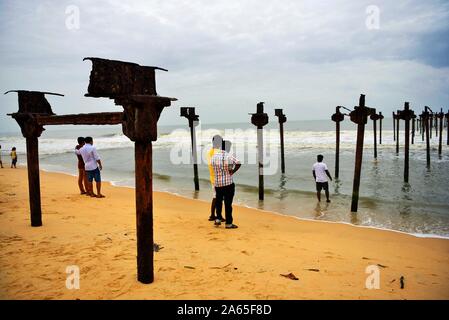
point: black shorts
(322, 185)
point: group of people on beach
(89, 166)
(12, 154)
(222, 167)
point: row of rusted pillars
(360, 116)
(134, 88)
(259, 119)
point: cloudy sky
(225, 56)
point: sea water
(419, 207)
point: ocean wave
(295, 140)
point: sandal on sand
(231, 226)
(100, 196)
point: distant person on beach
(1, 163)
(82, 179)
(92, 166)
(320, 174)
(13, 155)
(217, 142)
(225, 166)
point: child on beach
(1, 163)
(320, 174)
(13, 157)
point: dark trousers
(225, 194)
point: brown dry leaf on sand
(290, 276)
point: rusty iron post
(440, 116)
(381, 117)
(406, 115)
(282, 119)
(423, 125)
(375, 117)
(31, 105)
(447, 127)
(337, 117)
(431, 125)
(260, 119)
(436, 124)
(413, 128)
(359, 116)
(426, 118)
(189, 113)
(394, 126)
(397, 131)
(134, 88)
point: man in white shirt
(92, 166)
(320, 173)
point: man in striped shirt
(224, 166)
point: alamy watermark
(244, 147)
(373, 279)
(72, 20)
(372, 20)
(73, 277)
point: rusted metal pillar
(375, 117)
(394, 126)
(413, 128)
(134, 88)
(282, 119)
(423, 125)
(436, 124)
(426, 118)
(32, 104)
(397, 132)
(440, 117)
(406, 115)
(359, 116)
(447, 127)
(193, 118)
(430, 122)
(337, 117)
(260, 119)
(381, 117)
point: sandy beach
(196, 259)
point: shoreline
(198, 260)
(417, 235)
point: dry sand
(198, 260)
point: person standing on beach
(216, 147)
(320, 174)
(13, 155)
(82, 180)
(1, 163)
(225, 166)
(92, 166)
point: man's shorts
(93, 174)
(322, 185)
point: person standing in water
(320, 174)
